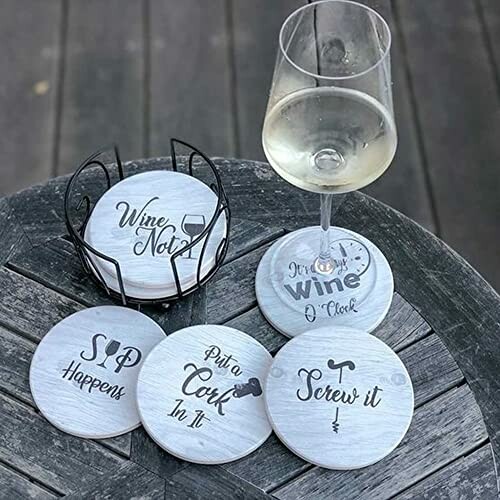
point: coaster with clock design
(84, 371)
(200, 396)
(295, 298)
(339, 398)
(142, 221)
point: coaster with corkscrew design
(339, 398)
(83, 373)
(295, 298)
(200, 394)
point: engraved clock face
(294, 297)
(351, 255)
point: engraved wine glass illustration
(329, 126)
(111, 349)
(193, 225)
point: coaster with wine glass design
(145, 220)
(83, 374)
(329, 128)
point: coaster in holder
(294, 298)
(200, 395)
(84, 371)
(339, 398)
(143, 220)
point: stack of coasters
(142, 221)
(83, 374)
(200, 397)
(339, 398)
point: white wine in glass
(329, 140)
(329, 128)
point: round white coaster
(84, 371)
(294, 298)
(200, 395)
(143, 220)
(339, 398)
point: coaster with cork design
(200, 394)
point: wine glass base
(295, 298)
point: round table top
(443, 324)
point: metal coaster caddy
(75, 201)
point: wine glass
(193, 225)
(111, 349)
(329, 128)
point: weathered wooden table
(444, 323)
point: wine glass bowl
(329, 125)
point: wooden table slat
(13, 485)
(190, 101)
(22, 301)
(118, 484)
(198, 482)
(468, 477)
(103, 87)
(61, 461)
(448, 52)
(441, 431)
(30, 58)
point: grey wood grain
(12, 237)
(62, 462)
(201, 481)
(232, 290)
(441, 431)
(431, 369)
(248, 185)
(39, 210)
(463, 152)
(14, 485)
(255, 29)
(246, 235)
(191, 100)
(22, 300)
(30, 56)
(254, 323)
(128, 481)
(103, 98)
(459, 305)
(468, 477)
(402, 325)
(489, 11)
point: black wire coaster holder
(77, 202)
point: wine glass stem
(324, 264)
